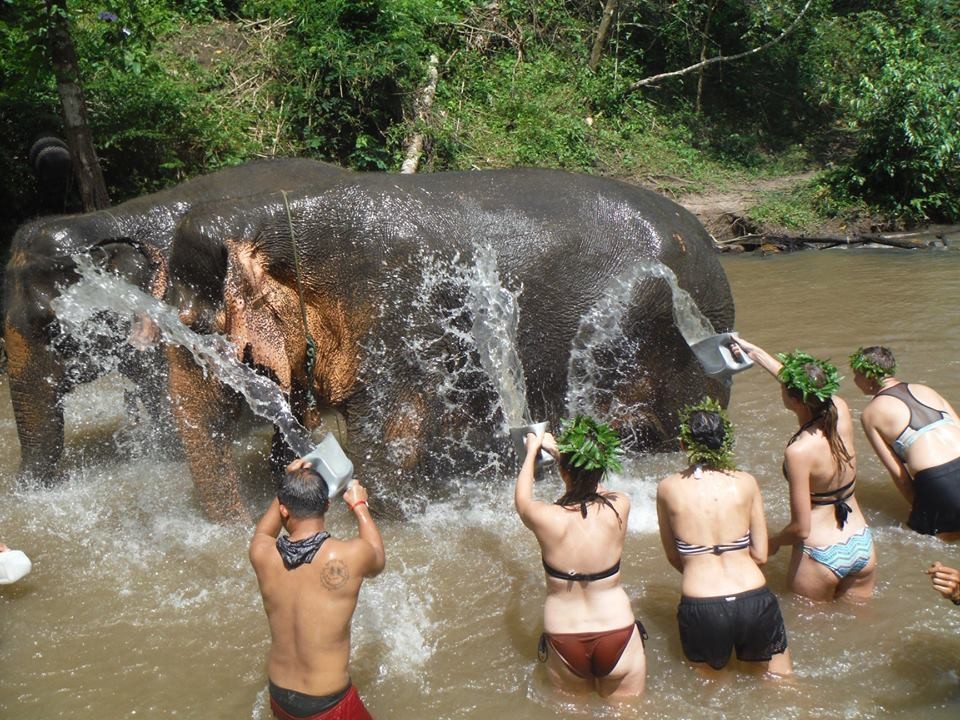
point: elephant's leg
(36, 380)
(205, 415)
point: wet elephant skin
(132, 239)
(383, 265)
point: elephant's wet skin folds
(388, 268)
(264, 317)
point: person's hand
(549, 444)
(298, 464)
(533, 442)
(3, 548)
(945, 580)
(356, 494)
(144, 333)
(745, 345)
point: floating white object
(328, 459)
(719, 355)
(519, 437)
(14, 564)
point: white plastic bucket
(14, 564)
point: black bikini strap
(834, 492)
(581, 577)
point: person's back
(305, 654)
(916, 435)
(891, 416)
(714, 509)
(713, 531)
(310, 584)
(590, 545)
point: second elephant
(403, 279)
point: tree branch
(722, 58)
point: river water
(139, 607)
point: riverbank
(739, 221)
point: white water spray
(98, 291)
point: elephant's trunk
(36, 378)
(203, 412)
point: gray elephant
(132, 239)
(386, 276)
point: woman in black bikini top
(591, 643)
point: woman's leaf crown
(590, 445)
(868, 368)
(720, 458)
(794, 376)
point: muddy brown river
(138, 607)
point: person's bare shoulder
(927, 395)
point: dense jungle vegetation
(866, 92)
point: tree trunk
(421, 106)
(93, 190)
(705, 37)
(603, 32)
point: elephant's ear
(125, 257)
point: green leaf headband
(590, 445)
(868, 368)
(720, 458)
(794, 376)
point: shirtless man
(916, 435)
(310, 583)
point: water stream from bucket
(602, 327)
(80, 303)
(496, 315)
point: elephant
(132, 239)
(386, 273)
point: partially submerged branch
(933, 236)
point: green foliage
(347, 69)
(869, 369)
(177, 87)
(895, 76)
(590, 445)
(796, 375)
(799, 208)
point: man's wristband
(358, 503)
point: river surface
(139, 607)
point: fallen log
(932, 236)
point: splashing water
(601, 328)
(98, 291)
(495, 319)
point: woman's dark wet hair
(583, 487)
(706, 428)
(304, 493)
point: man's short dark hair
(304, 493)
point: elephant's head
(44, 364)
